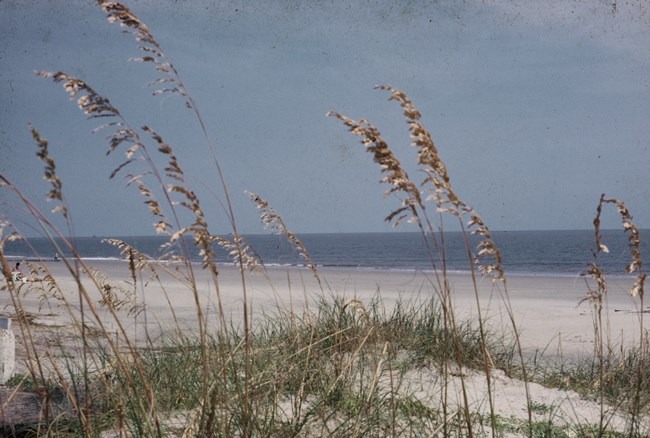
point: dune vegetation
(329, 366)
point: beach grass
(333, 365)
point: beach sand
(546, 311)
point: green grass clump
(620, 371)
(318, 373)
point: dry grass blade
(173, 170)
(487, 257)
(152, 52)
(428, 156)
(359, 309)
(437, 182)
(11, 237)
(396, 176)
(89, 101)
(634, 239)
(201, 235)
(137, 260)
(161, 226)
(116, 297)
(272, 220)
(119, 12)
(50, 173)
(597, 297)
(96, 106)
(241, 253)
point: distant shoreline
(333, 268)
(320, 233)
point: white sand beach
(546, 311)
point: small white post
(7, 350)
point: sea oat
(170, 83)
(115, 296)
(96, 106)
(634, 239)
(4, 263)
(137, 259)
(428, 156)
(272, 220)
(50, 173)
(396, 176)
(173, 169)
(152, 52)
(359, 309)
(487, 257)
(240, 252)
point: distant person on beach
(18, 275)
(56, 256)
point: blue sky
(536, 107)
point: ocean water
(559, 253)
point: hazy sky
(536, 107)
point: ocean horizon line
(560, 230)
(540, 251)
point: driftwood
(22, 412)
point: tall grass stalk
(598, 297)
(338, 368)
(413, 208)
